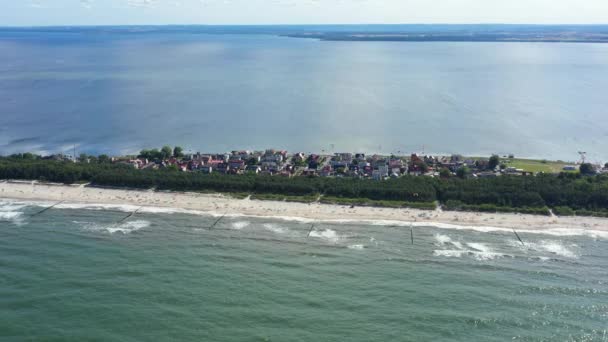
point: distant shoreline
(456, 39)
(500, 33)
(216, 204)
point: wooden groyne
(47, 208)
(129, 216)
(216, 222)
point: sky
(138, 12)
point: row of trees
(164, 153)
(565, 191)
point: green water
(73, 274)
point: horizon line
(305, 24)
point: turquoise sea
(119, 91)
(74, 273)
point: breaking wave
(562, 232)
(275, 228)
(124, 228)
(326, 234)
(10, 212)
(547, 246)
(456, 249)
(240, 225)
(357, 247)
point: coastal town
(276, 162)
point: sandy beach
(221, 204)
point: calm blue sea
(114, 92)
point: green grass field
(530, 165)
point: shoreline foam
(219, 205)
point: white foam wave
(165, 210)
(546, 246)
(558, 231)
(449, 253)
(128, 227)
(124, 228)
(479, 246)
(97, 206)
(10, 215)
(552, 247)
(357, 247)
(479, 255)
(444, 240)
(326, 234)
(11, 205)
(240, 225)
(478, 250)
(275, 228)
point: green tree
(29, 156)
(463, 172)
(445, 173)
(587, 169)
(493, 162)
(83, 158)
(606, 166)
(421, 166)
(155, 154)
(103, 158)
(178, 152)
(166, 152)
(142, 154)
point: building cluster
(356, 165)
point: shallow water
(73, 272)
(119, 93)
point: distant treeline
(535, 194)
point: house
(383, 169)
(267, 165)
(253, 169)
(456, 158)
(299, 158)
(244, 155)
(486, 174)
(430, 160)
(309, 172)
(313, 165)
(222, 167)
(338, 164)
(395, 164)
(221, 157)
(363, 164)
(206, 169)
(236, 164)
(326, 171)
(272, 158)
(378, 163)
(194, 165)
(569, 168)
(345, 157)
